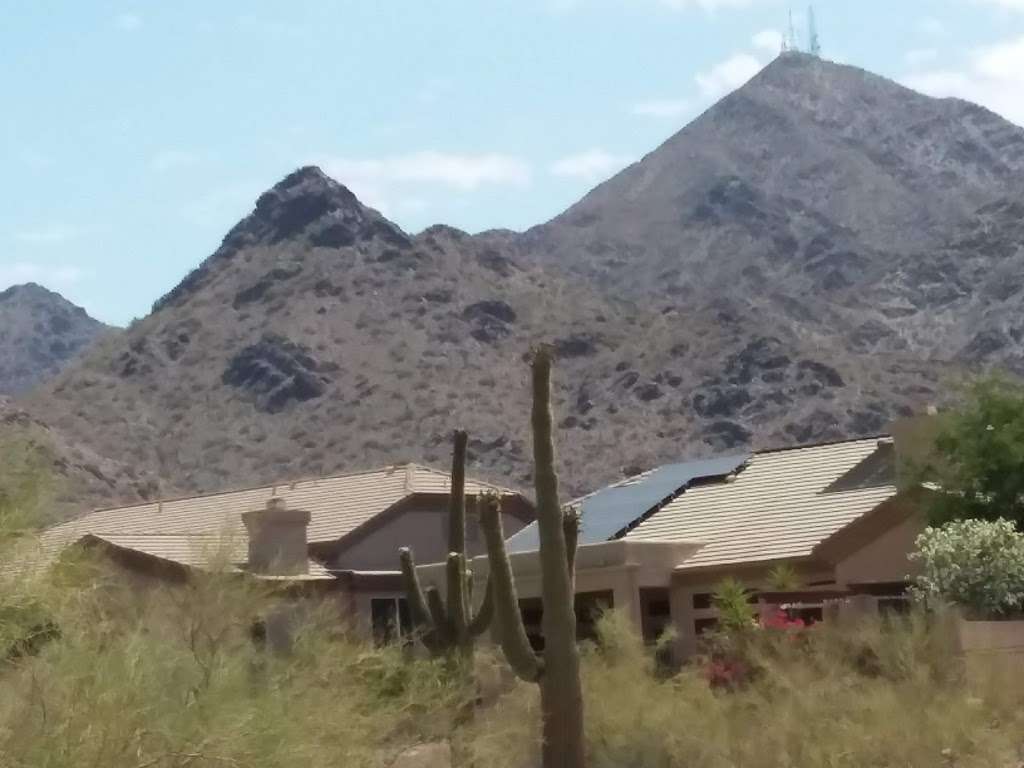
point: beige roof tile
(337, 506)
(774, 508)
(199, 551)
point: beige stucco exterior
(883, 559)
(873, 556)
(422, 523)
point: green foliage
(783, 578)
(125, 686)
(25, 484)
(732, 600)
(975, 564)
(978, 457)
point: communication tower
(813, 43)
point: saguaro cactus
(449, 629)
(557, 671)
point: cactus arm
(418, 610)
(509, 622)
(455, 574)
(442, 627)
(485, 614)
(571, 527)
(417, 602)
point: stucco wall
(884, 559)
(422, 526)
(685, 585)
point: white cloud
(172, 159)
(993, 77)
(49, 235)
(400, 184)
(768, 40)
(52, 275)
(661, 108)
(461, 171)
(918, 57)
(727, 75)
(128, 22)
(592, 165)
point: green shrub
(975, 564)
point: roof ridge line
(266, 486)
(824, 444)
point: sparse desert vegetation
(175, 680)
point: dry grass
(169, 678)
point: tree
(557, 671)
(978, 456)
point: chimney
(277, 539)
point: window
(391, 619)
(655, 612)
(589, 606)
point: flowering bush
(781, 621)
(976, 564)
(734, 653)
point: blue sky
(134, 133)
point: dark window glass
(702, 601)
(384, 613)
(391, 619)
(655, 613)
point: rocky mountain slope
(40, 332)
(813, 256)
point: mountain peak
(43, 331)
(306, 207)
(37, 294)
(307, 174)
(28, 290)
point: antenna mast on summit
(789, 41)
(813, 43)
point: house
(657, 544)
(334, 535)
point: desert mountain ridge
(821, 251)
(40, 333)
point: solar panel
(615, 508)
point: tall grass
(168, 676)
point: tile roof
(200, 552)
(337, 506)
(775, 507)
(607, 512)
